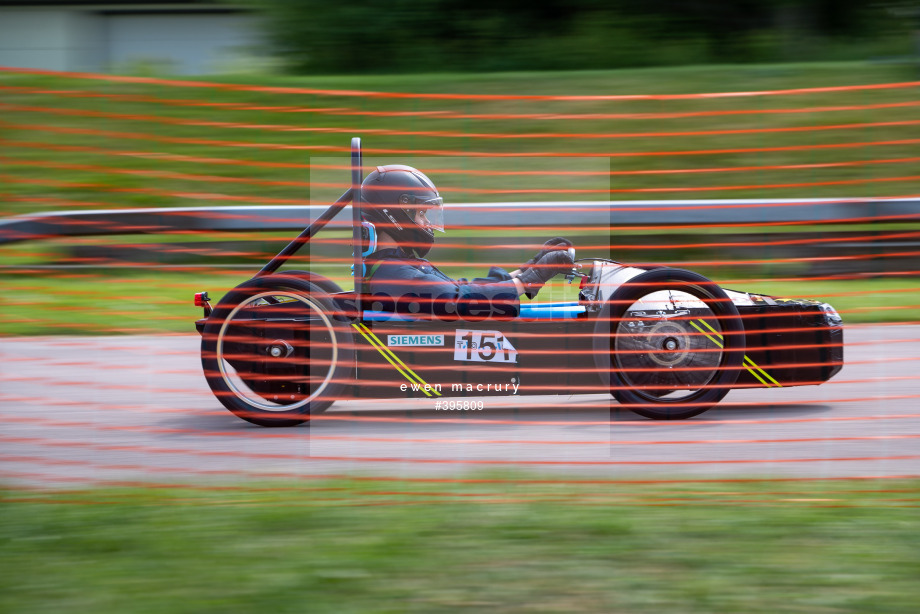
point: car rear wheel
(323, 283)
(275, 350)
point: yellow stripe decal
(749, 364)
(396, 358)
(399, 365)
(388, 359)
(765, 374)
(708, 336)
(754, 373)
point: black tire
(670, 344)
(275, 350)
(323, 283)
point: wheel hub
(668, 344)
(279, 349)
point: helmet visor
(430, 213)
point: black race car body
(551, 347)
(666, 343)
(669, 353)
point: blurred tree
(392, 36)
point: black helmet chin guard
(392, 196)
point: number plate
(483, 346)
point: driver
(406, 209)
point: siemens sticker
(414, 340)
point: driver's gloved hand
(551, 264)
(556, 243)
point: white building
(169, 36)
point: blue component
(551, 311)
(371, 239)
(371, 233)
(529, 311)
(387, 316)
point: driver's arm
(409, 289)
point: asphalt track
(80, 410)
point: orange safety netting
(116, 409)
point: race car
(666, 343)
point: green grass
(149, 301)
(141, 145)
(149, 145)
(510, 546)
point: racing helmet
(404, 203)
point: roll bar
(353, 196)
